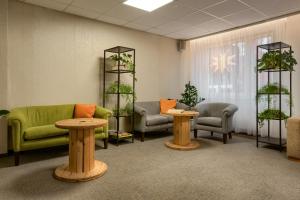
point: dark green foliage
(272, 60)
(190, 96)
(125, 59)
(272, 88)
(270, 114)
(3, 112)
(126, 91)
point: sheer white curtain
(222, 67)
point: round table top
(184, 114)
(81, 123)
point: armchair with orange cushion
(149, 116)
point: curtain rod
(247, 25)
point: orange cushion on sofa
(84, 110)
(166, 104)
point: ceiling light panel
(147, 5)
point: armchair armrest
(202, 109)
(139, 110)
(103, 113)
(229, 110)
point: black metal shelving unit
(118, 134)
(277, 46)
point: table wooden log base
(82, 165)
(181, 132)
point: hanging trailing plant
(190, 96)
(273, 88)
(270, 114)
(126, 92)
(272, 60)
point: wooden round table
(181, 131)
(82, 165)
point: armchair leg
(195, 133)
(230, 135)
(224, 138)
(211, 133)
(17, 158)
(105, 141)
(142, 136)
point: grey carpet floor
(149, 170)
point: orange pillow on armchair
(84, 110)
(166, 104)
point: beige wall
(3, 53)
(53, 58)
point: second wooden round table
(82, 165)
(181, 131)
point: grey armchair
(148, 118)
(215, 117)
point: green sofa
(33, 127)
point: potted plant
(125, 60)
(270, 114)
(272, 60)
(190, 96)
(126, 91)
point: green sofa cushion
(45, 131)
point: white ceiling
(181, 19)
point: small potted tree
(190, 96)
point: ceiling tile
(112, 20)
(199, 4)
(174, 11)
(226, 8)
(82, 12)
(96, 5)
(137, 26)
(64, 1)
(196, 18)
(158, 31)
(173, 26)
(48, 4)
(215, 25)
(274, 7)
(245, 17)
(125, 12)
(152, 20)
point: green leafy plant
(125, 60)
(270, 114)
(272, 88)
(272, 60)
(3, 112)
(124, 111)
(126, 92)
(190, 96)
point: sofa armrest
(103, 113)
(229, 110)
(139, 110)
(18, 124)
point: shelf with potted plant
(120, 60)
(277, 57)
